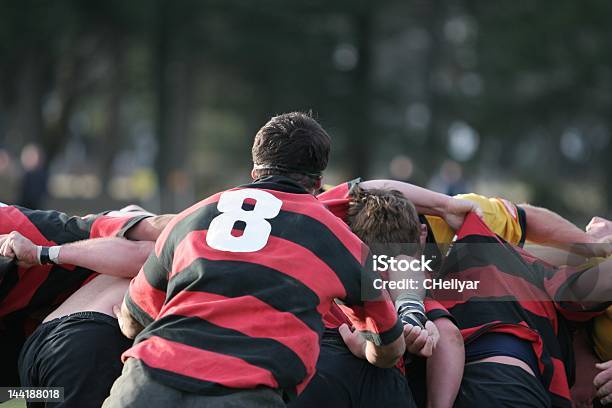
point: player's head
(384, 218)
(293, 145)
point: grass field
(15, 403)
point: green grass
(14, 403)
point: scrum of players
(260, 296)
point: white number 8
(257, 229)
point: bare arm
(445, 366)
(111, 256)
(380, 356)
(149, 228)
(428, 202)
(593, 285)
(548, 228)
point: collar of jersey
(277, 183)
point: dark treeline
(170, 93)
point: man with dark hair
(269, 248)
(387, 222)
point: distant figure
(449, 179)
(34, 182)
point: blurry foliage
(182, 87)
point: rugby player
(518, 345)
(382, 219)
(78, 346)
(239, 282)
(513, 223)
(28, 294)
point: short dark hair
(294, 145)
(384, 220)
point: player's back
(247, 275)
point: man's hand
(603, 382)
(128, 325)
(457, 209)
(599, 228)
(421, 342)
(353, 340)
(15, 245)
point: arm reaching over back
(111, 256)
(452, 210)
(550, 229)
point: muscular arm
(594, 285)
(149, 228)
(110, 256)
(445, 366)
(428, 202)
(548, 228)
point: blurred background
(156, 102)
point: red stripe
(106, 226)
(473, 225)
(337, 200)
(376, 317)
(200, 364)
(279, 254)
(262, 321)
(148, 298)
(558, 384)
(29, 279)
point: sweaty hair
(293, 145)
(384, 220)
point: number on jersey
(256, 231)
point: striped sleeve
(147, 292)
(375, 320)
(560, 288)
(435, 310)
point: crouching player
(78, 345)
(387, 222)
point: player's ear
(423, 234)
(317, 185)
(253, 174)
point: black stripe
(435, 314)
(8, 276)
(476, 251)
(235, 279)
(131, 223)
(58, 227)
(277, 183)
(522, 219)
(384, 338)
(155, 273)
(136, 311)
(269, 354)
(192, 385)
(297, 228)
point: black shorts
(343, 381)
(500, 386)
(80, 352)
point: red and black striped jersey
(238, 285)
(517, 294)
(39, 288)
